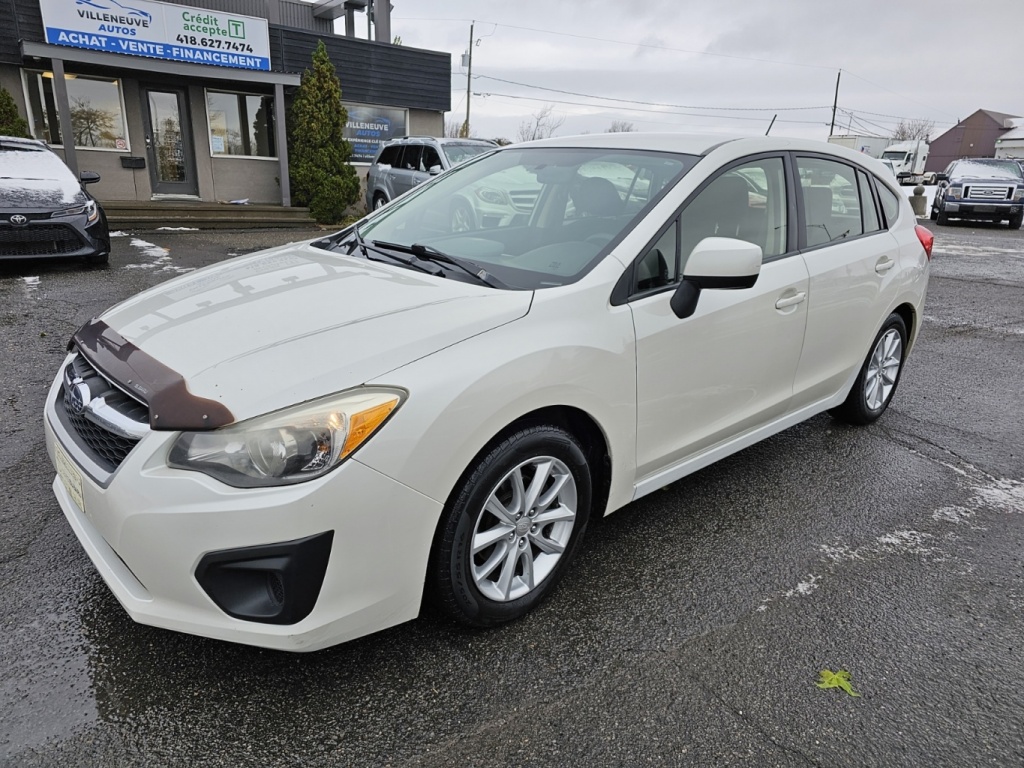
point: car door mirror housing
(89, 177)
(941, 177)
(716, 263)
(434, 170)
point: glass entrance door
(171, 154)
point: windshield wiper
(366, 247)
(429, 253)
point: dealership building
(187, 100)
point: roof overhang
(145, 64)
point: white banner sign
(159, 30)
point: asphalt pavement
(690, 631)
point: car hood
(39, 194)
(291, 324)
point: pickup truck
(980, 189)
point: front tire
(879, 375)
(941, 217)
(1016, 221)
(379, 201)
(511, 527)
(462, 218)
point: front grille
(104, 444)
(523, 199)
(39, 240)
(988, 192)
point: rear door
(405, 174)
(853, 264)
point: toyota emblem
(17, 219)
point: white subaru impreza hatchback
(296, 447)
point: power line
(647, 103)
(655, 111)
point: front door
(171, 154)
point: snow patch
(803, 588)
(894, 543)
(177, 229)
(31, 284)
(161, 258)
(119, 233)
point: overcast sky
(667, 61)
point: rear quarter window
(890, 203)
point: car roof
(17, 141)
(695, 144)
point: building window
(241, 124)
(97, 111)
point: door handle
(884, 266)
(791, 301)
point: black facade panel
(9, 51)
(370, 72)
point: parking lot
(690, 631)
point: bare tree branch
(542, 126)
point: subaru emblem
(78, 398)
(17, 219)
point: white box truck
(872, 146)
(908, 159)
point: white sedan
(296, 447)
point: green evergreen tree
(11, 123)
(320, 174)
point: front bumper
(42, 237)
(148, 529)
(984, 211)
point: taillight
(927, 239)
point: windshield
(992, 169)
(532, 217)
(899, 157)
(460, 153)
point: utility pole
(469, 81)
(835, 103)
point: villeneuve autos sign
(158, 30)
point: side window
(657, 267)
(890, 203)
(747, 202)
(390, 155)
(411, 157)
(867, 204)
(831, 200)
(430, 158)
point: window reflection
(97, 117)
(241, 124)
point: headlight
(289, 446)
(1018, 194)
(90, 209)
(492, 196)
(954, 192)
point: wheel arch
(909, 316)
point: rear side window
(411, 157)
(890, 203)
(831, 200)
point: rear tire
(879, 375)
(511, 527)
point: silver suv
(403, 163)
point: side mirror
(434, 170)
(89, 177)
(942, 177)
(716, 263)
